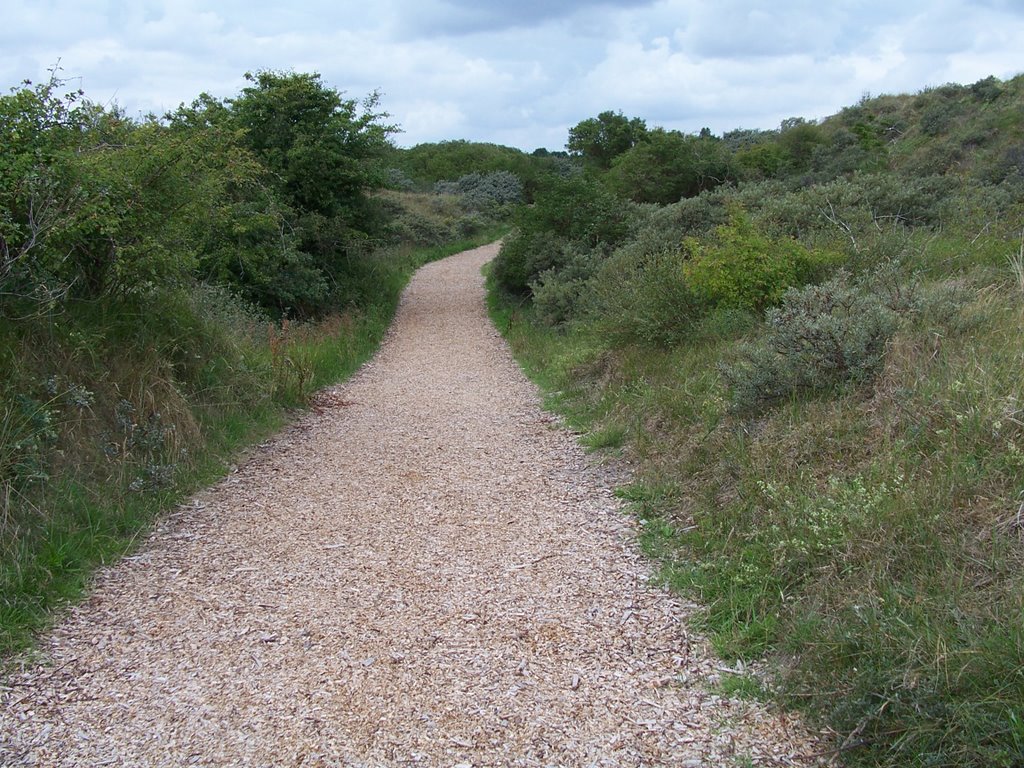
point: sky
(521, 72)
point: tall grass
(1016, 263)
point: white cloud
(523, 73)
(432, 118)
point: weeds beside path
(424, 569)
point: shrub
(741, 268)
(665, 227)
(397, 179)
(640, 296)
(558, 294)
(653, 291)
(567, 211)
(938, 116)
(987, 90)
(482, 191)
(414, 227)
(820, 336)
(524, 256)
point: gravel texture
(426, 570)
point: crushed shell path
(424, 570)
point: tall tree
(599, 140)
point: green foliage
(987, 89)
(40, 129)
(642, 297)
(430, 219)
(937, 117)
(763, 161)
(316, 142)
(245, 236)
(571, 211)
(656, 287)
(324, 154)
(560, 293)
(100, 207)
(525, 256)
(819, 337)
(484, 191)
(446, 160)
(130, 233)
(666, 166)
(426, 164)
(798, 140)
(599, 140)
(740, 268)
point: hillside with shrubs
(807, 342)
(171, 287)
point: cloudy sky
(521, 72)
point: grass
(172, 399)
(866, 541)
(1016, 263)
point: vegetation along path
(425, 570)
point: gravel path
(425, 570)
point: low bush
(484, 191)
(525, 256)
(654, 292)
(642, 297)
(821, 336)
(567, 211)
(559, 295)
(740, 268)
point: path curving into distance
(426, 570)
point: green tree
(323, 148)
(325, 152)
(244, 236)
(599, 140)
(668, 166)
(798, 139)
